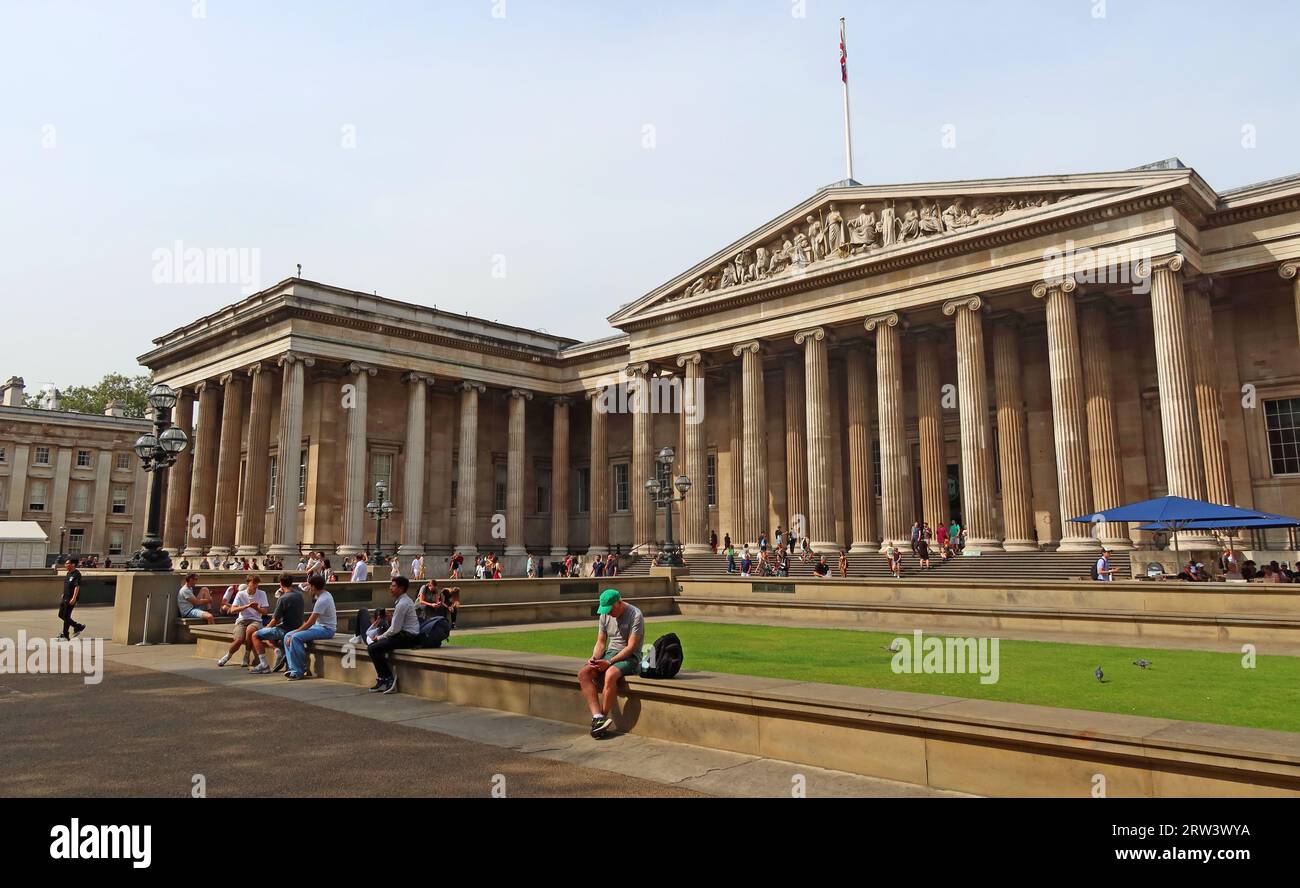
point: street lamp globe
(388, 505)
(683, 484)
(145, 445)
(652, 487)
(173, 440)
(666, 455)
(372, 506)
(162, 397)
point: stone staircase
(1011, 566)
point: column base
(345, 550)
(988, 545)
(597, 550)
(410, 550)
(1021, 546)
(824, 546)
(870, 547)
(1077, 544)
(697, 549)
(1117, 544)
(219, 552)
(466, 549)
(280, 550)
(562, 551)
(248, 551)
(515, 551)
(1188, 540)
(192, 552)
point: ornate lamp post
(379, 508)
(157, 451)
(671, 555)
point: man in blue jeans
(321, 624)
(288, 617)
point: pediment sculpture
(876, 225)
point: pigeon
(1099, 673)
(1142, 664)
(892, 648)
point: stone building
(1011, 352)
(72, 471)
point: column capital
(561, 400)
(1289, 269)
(292, 357)
(818, 334)
(521, 393)
(467, 384)
(202, 385)
(753, 346)
(226, 378)
(1174, 262)
(640, 369)
(357, 369)
(691, 358)
(974, 303)
(888, 319)
(255, 369)
(415, 376)
(1055, 285)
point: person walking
(844, 563)
(731, 557)
(71, 592)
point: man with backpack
(402, 632)
(617, 653)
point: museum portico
(1009, 352)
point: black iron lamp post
(157, 451)
(62, 533)
(379, 508)
(661, 495)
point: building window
(381, 469)
(42, 456)
(119, 500)
(875, 465)
(115, 543)
(543, 491)
(81, 497)
(124, 461)
(4, 455)
(455, 480)
(83, 459)
(76, 537)
(582, 492)
(36, 494)
(272, 477)
(500, 476)
(1282, 419)
(302, 478)
(711, 478)
(621, 474)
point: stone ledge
(979, 746)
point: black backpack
(434, 631)
(1095, 575)
(665, 659)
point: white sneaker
(224, 660)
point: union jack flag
(844, 56)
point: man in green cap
(617, 653)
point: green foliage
(1199, 686)
(132, 391)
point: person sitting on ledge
(617, 653)
(249, 606)
(194, 605)
(287, 617)
(403, 632)
(319, 625)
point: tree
(132, 391)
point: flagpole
(848, 125)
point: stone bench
(975, 746)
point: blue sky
(133, 124)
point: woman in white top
(394, 567)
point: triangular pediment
(848, 222)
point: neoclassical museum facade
(1011, 352)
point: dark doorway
(954, 493)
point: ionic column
(817, 386)
(1066, 368)
(695, 509)
(736, 428)
(417, 400)
(895, 465)
(515, 455)
(1291, 271)
(179, 478)
(643, 511)
(755, 438)
(560, 475)
(1013, 450)
(203, 478)
(1209, 405)
(598, 518)
(1099, 406)
(227, 501)
(1183, 466)
(862, 496)
(796, 444)
(467, 469)
(257, 466)
(355, 472)
(976, 436)
(293, 377)
(929, 427)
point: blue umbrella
(1172, 513)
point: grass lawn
(1186, 685)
